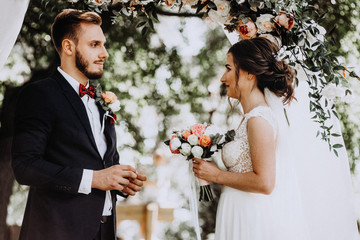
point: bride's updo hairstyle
(258, 57)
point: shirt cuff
(86, 180)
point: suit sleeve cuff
(86, 180)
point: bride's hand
(205, 170)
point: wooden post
(146, 214)
(152, 213)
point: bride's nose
(222, 79)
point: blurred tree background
(152, 78)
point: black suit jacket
(52, 145)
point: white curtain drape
(12, 14)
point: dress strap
(266, 113)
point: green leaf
(337, 145)
(337, 68)
(200, 7)
(287, 119)
(212, 5)
(154, 14)
(268, 4)
(144, 31)
(315, 69)
(105, 7)
(125, 11)
(353, 74)
(140, 24)
(116, 13)
(229, 136)
(335, 113)
(335, 135)
(151, 24)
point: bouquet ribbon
(193, 201)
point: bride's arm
(262, 151)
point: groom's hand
(116, 177)
(135, 184)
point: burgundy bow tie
(89, 91)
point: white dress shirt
(100, 140)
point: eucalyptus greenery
(303, 46)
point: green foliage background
(134, 61)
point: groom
(60, 148)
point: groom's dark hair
(67, 25)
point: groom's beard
(83, 66)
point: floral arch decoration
(292, 24)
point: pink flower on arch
(285, 20)
(247, 30)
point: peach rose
(109, 97)
(205, 141)
(198, 129)
(186, 134)
(247, 30)
(285, 20)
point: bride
(279, 185)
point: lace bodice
(236, 154)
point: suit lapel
(109, 138)
(77, 104)
(108, 132)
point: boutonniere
(108, 101)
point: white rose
(185, 149)
(115, 106)
(223, 7)
(272, 38)
(193, 139)
(331, 91)
(222, 14)
(197, 151)
(175, 144)
(264, 23)
(215, 17)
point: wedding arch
(292, 25)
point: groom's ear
(68, 47)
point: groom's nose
(104, 53)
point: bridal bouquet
(199, 141)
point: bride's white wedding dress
(254, 216)
(312, 198)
